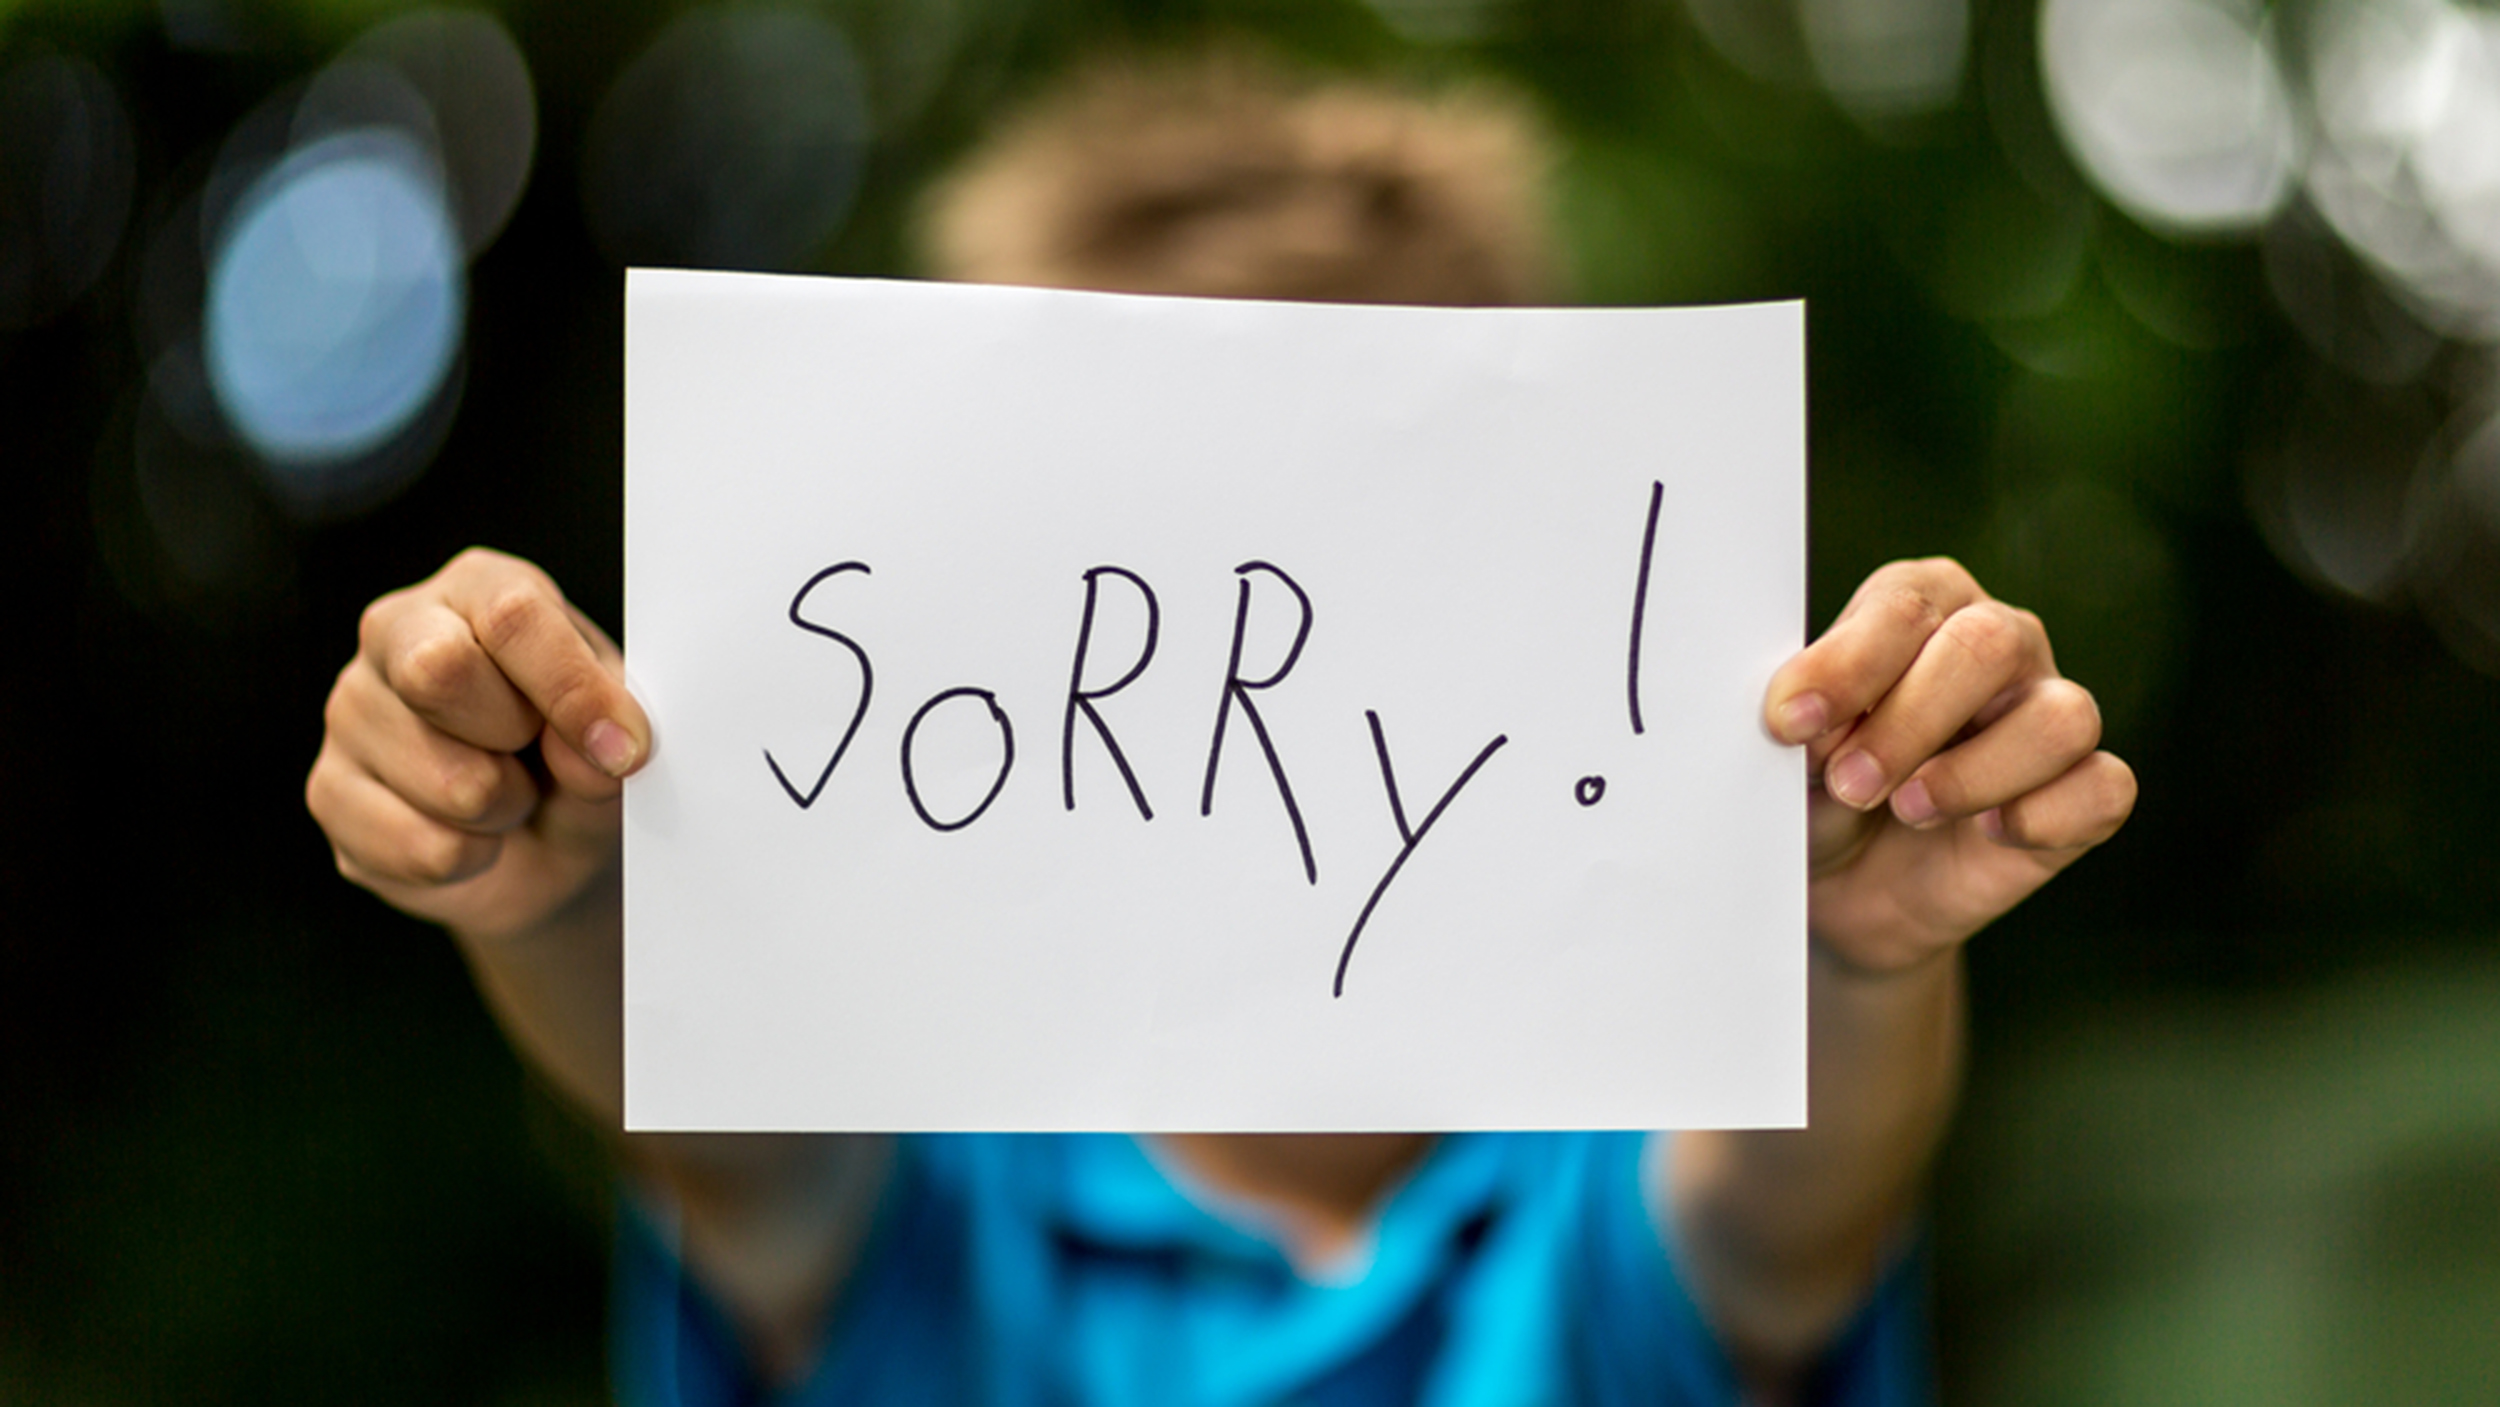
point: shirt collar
(1111, 1192)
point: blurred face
(1272, 229)
(1228, 179)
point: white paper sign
(1078, 711)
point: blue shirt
(1069, 1271)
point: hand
(1954, 769)
(423, 783)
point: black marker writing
(867, 685)
(1238, 690)
(1006, 760)
(1589, 791)
(1412, 838)
(1081, 699)
(1640, 603)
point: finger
(1857, 661)
(2074, 813)
(1980, 653)
(1822, 750)
(425, 653)
(574, 774)
(2044, 729)
(610, 657)
(454, 782)
(379, 839)
(538, 642)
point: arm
(1955, 772)
(424, 790)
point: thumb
(571, 767)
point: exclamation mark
(1640, 603)
(1590, 790)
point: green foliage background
(2234, 1126)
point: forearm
(1954, 772)
(557, 990)
(471, 773)
(769, 1222)
(1784, 1231)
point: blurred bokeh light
(2177, 108)
(1885, 59)
(335, 299)
(2457, 510)
(341, 218)
(2408, 105)
(1760, 38)
(1440, 21)
(736, 141)
(2335, 489)
(481, 112)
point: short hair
(1222, 175)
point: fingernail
(1804, 718)
(1857, 780)
(610, 746)
(1912, 803)
(1993, 822)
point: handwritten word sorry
(1238, 694)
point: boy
(1955, 772)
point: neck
(1320, 1188)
